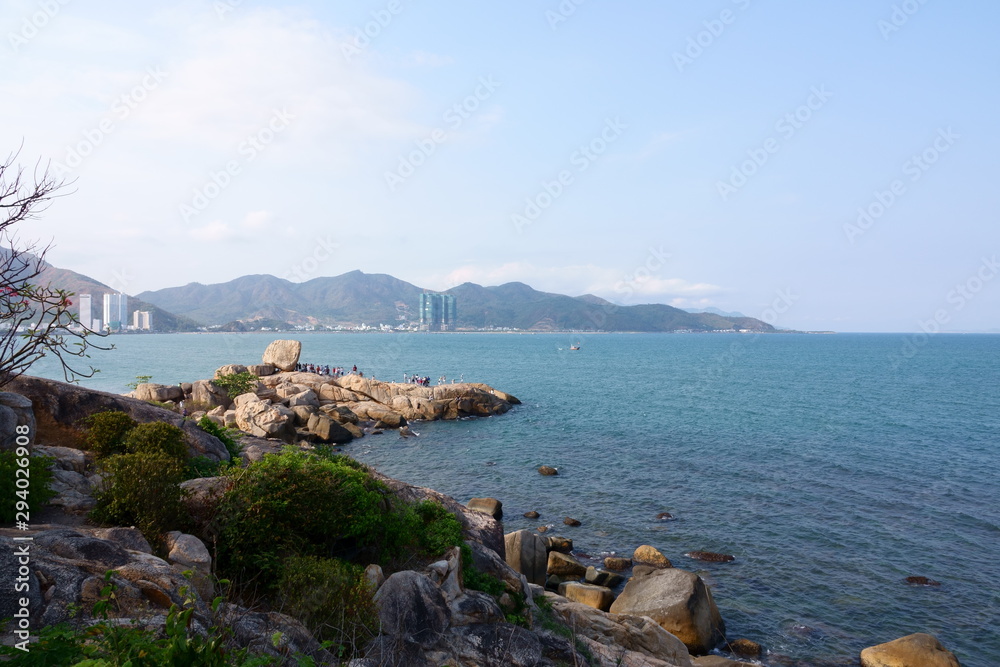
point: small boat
(574, 347)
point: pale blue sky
(653, 213)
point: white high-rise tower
(86, 311)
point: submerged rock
(922, 581)
(548, 470)
(710, 556)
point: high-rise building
(115, 311)
(142, 320)
(437, 312)
(86, 311)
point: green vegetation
(141, 490)
(230, 437)
(29, 498)
(333, 599)
(237, 384)
(110, 644)
(156, 437)
(106, 432)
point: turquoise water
(832, 466)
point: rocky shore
(637, 611)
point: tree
(35, 318)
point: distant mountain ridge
(354, 298)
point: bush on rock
(156, 437)
(106, 432)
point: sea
(832, 466)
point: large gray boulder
(15, 410)
(60, 408)
(207, 396)
(283, 354)
(412, 608)
(680, 602)
(526, 553)
(917, 650)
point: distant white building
(116, 311)
(142, 320)
(86, 311)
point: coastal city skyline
(638, 153)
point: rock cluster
(294, 406)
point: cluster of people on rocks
(419, 380)
(323, 369)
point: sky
(824, 166)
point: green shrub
(439, 530)
(155, 437)
(141, 490)
(37, 492)
(106, 432)
(479, 581)
(201, 466)
(228, 436)
(297, 504)
(333, 599)
(237, 384)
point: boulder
(374, 576)
(564, 565)
(490, 506)
(531, 514)
(710, 556)
(917, 650)
(283, 354)
(149, 391)
(647, 555)
(15, 410)
(264, 420)
(496, 645)
(718, 661)
(66, 458)
(328, 430)
(548, 470)
(680, 602)
(305, 398)
(569, 521)
(229, 369)
(59, 408)
(636, 640)
(377, 412)
(526, 553)
(744, 648)
(187, 552)
(128, 538)
(598, 597)
(273, 634)
(412, 608)
(303, 413)
(201, 498)
(261, 370)
(556, 543)
(207, 396)
(617, 564)
(913, 581)
(603, 578)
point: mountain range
(356, 298)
